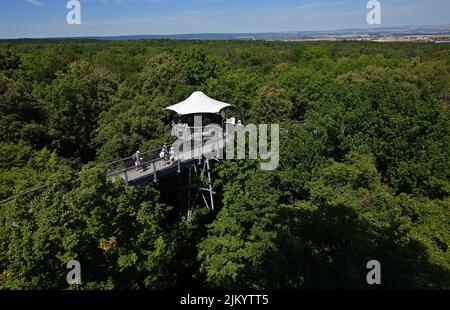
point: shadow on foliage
(329, 247)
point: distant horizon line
(330, 31)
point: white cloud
(34, 2)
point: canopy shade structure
(199, 103)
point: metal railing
(187, 133)
(122, 165)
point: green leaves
(161, 76)
(127, 261)
(131, 125)
(75, 100)
(270, 106)
(199, 66)
(22, 117)
(233, 254)
(380, 110)
(364, 166)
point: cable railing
(122, 165)
(184, 132)
(25, 193)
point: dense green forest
(364, 171)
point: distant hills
(295, 35)
(376, 33)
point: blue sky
(47, 18)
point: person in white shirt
(137, 160)
(172, 155)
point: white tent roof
(198, 103)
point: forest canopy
(364, 166)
